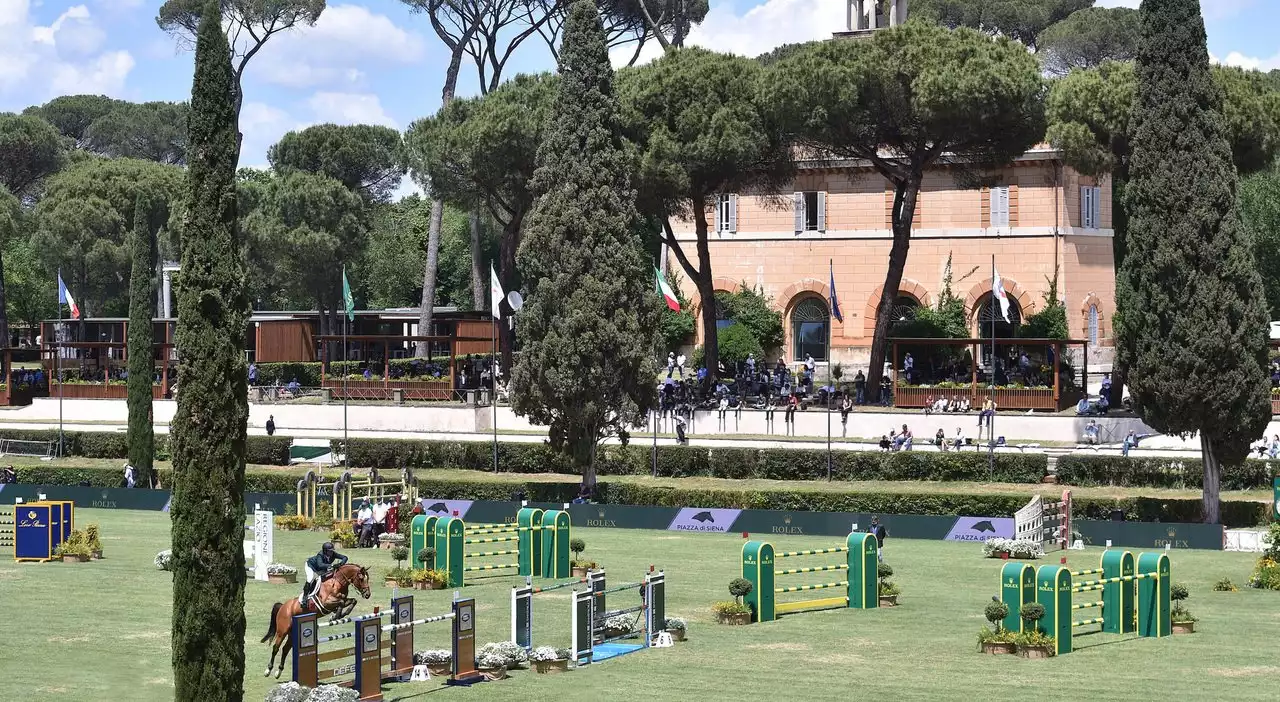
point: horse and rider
(325, 592)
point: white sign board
(263, 546)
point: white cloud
(1239, 60)
(349, 108)
(759, 29)
(331, 53)
(407, 188)
(39, 62)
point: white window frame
(801, 210)
(1000, 206)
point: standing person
(860, 387)
(845, 407)
(380, 518)
(680, 437)
(364, 524)
(877, 529)
(909, 366)
(671, 363)
(886, 394)
(789, 417)
(271, 425)
(128, 476)
(680, 366)
(751, 365)
(318, 568)
(253, 374)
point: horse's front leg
(348, 606)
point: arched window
(1093, 325)
(904, 309)
(989, 318)
(810, 322)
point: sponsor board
(981, 529)
(703, 519)
(445, 508)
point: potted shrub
(619, 625)
(888, 590)
(1000, 640)
(391, 540)
(1033, 643)
(343, 534)
(494, 659)
(438, 661)
(93, 537)
(281, 573)
(547, 659)
(324, 517)
(1181, 619)
(427, 558)
(74, 549)
(1225, 585)
(164, 560)
(734, 612)
(677, 627)
(399, 577)
(292, 522)
(995, 547)
(578, 568)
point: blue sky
(374, 61)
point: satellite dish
(515, 300)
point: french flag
(64, 298)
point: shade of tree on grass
(1191, 322)
(901, 100)
(208, 430)
(588, 327)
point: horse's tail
(271, 631)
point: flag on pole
(835, 300)
(64, 298)
(348, 300)
(997, 290)
(495, 292)
(665, 291)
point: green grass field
(100, 631)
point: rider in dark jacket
(319, 567)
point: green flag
(348, 301)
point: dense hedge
(1179, 473)
(308, 373)
(260, 450)
(1235, 513)
(684, 461)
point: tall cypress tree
(209, 428)
(142, 287)
(588, 331)
(1192, 326)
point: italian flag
(665, 291)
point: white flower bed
(1017, 548)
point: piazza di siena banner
(758, 523)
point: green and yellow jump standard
(541, 542)
(860, 583)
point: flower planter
(1183, 627)
(733, 619)
(74, 559)
(888, 600)
(283, 578)
(1034, 651)
(610, 633)
(551, 666)
(999, 648)
(428, 585)
(439, 669)
(403, 584)
(499, 673)
(677, 634)
(578, 572)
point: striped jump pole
(861, 588)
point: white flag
(495, 293)
(997, 290)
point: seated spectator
(906, 437)
(896, 439)
(940, 405)
(1083, 406)
(1130, 442)
(1272, 451)
(884, 443)
(940, 439)
(958, 442)
(928, 406)
(1091, 432)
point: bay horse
(330, 598)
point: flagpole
(493, 382)
(831, 390)
(58, 363)
(345, 320)
(991, 420)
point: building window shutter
(798, 200)
(822, 211)
(715, 215)
(1096, 202)
(1000, 207)
(733, 213)
(1093, 325)
(1086, 207)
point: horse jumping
(330, 598)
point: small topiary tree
(1031, 613)
(399, 554)
(427, 558)
(739, 588)
(995, 613)
(1178, 592)
(577, 546)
